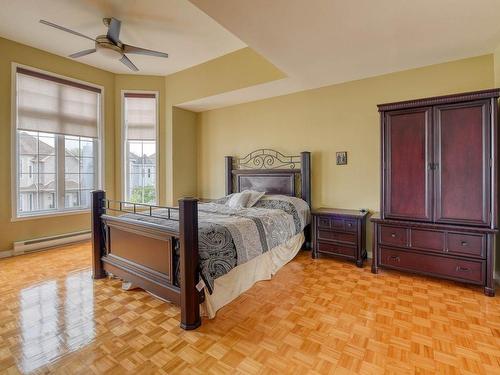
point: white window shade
(52, 105)
(140, 116)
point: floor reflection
(56, 319)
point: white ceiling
(322, 42)
(177, 27)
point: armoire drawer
(468, 244)
(332, 235)
(458, 269)
(427, 239)
(451, 243)
(393, 235)
(336, 249)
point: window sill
(47, 215)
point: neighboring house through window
(140, 127)
(57, 139)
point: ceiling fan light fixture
(107, 49)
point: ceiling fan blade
(143, 51)
(82, 53)
(66, 29)
(114, 30)
(125, 60)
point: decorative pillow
(223, 200)
(238, 200)
(254, 197)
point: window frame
(14, 156)
(124, 145)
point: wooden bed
(145, 253)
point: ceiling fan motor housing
(108, 48)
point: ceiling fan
(109, 44)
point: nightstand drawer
(323, 222)
(331, 223)
(332, 235)
(351, 225)
(336, 249)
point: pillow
(245, 199)
(238, 200)
(254, 197)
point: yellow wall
(185, 156)
(15, 52)
(496, 61)
(341, 117)
(236, 70)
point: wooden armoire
(438, 214)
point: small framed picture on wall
(342, 158)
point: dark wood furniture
(145, 253)
(439, 172)
(340, 233)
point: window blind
(54, 105)
(140, 116)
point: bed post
(229, 174)
(305, 188)
(98, 209)
(188, 237)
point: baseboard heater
(23, 247)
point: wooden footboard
(144, 253)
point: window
(57, 128)
(140, 124)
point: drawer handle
(349, 224)
(464, 243)
(394, 257)
(462, 269)
(393, 235)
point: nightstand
(340, 233)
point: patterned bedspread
(230, 237)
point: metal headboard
(271, 171)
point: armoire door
(407, 156)
(462, 163)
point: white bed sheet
(244, 276)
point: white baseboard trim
(44, 243)
(6, 253)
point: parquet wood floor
(316, 316)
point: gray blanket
(229, 237)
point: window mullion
(60, 168)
